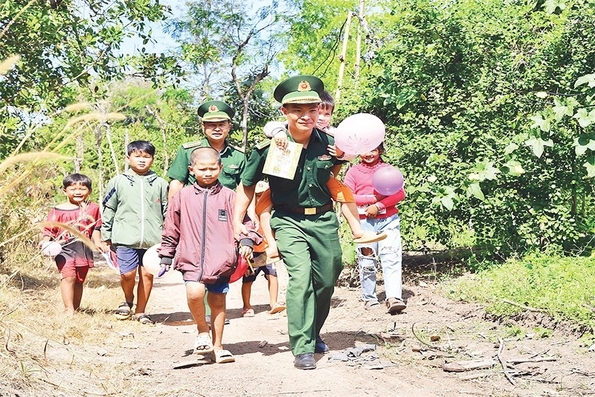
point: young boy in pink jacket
(198, 232)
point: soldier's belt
(306, 210)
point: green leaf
(586, 79)
(538, 144)
(447, 202)
(540, 122)
(484, 170)
(561, 110)
(582, 143)
(514, 168)
(584, 118)
(551, 5)
(510, 148)
(590, 166)
(475, 190)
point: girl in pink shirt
(378, 214)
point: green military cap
(299, 89)
(215, 111)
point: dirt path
(406, 362)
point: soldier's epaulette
(196, 144)
(263, 144)
(239, 149)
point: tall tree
(229, 43)
(65, 45)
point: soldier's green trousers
(310, 248)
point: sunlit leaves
(474, 190)
(445, 197)
(590, 166)
(513, 168)
(538, 145)
(585, 117)
(584, 142)
(539, 122)
(588, 79)
(484, 170)
(561, 110)
(552, 5)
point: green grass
(563, 288)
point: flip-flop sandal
(203, 344)
(123, 312)
(395, 306)
(248, 313)
(277, 309)
(144, 319)
(223, 356)
(370, 237)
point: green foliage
(230, 46)
(561, 287)
(66, 45)
(456, 84)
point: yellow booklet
(283, 162)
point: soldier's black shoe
(304, 361)
(320, 346)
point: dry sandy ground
(406, 362)
(411, 350)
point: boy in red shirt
(76, 258)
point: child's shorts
(217, 288)
(129, 258)
(67, 269)
(268, 270)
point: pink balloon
(387, 180)
(360, 133)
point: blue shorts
(129, 258)
(267, 270)
(217, 288)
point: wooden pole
(358, 45)
(342, 57)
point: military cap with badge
(214, 111)
(299, 89)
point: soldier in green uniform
(216, 120)
(305, 225)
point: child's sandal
(123, 312)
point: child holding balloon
(377, 199)
(339, 191)
(73, 256)
(198, 232)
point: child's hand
(372, 211)
(245, 251)
(335, 151)
(273, 127)
(102, 247)
(165, 264)
(42, 242)
(280, 139)
(164, 269)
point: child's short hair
(327, 101)
(204, 153)
(76, 179)
(141, 146)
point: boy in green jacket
(133, 215)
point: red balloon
(387, 180)
(240, 269)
